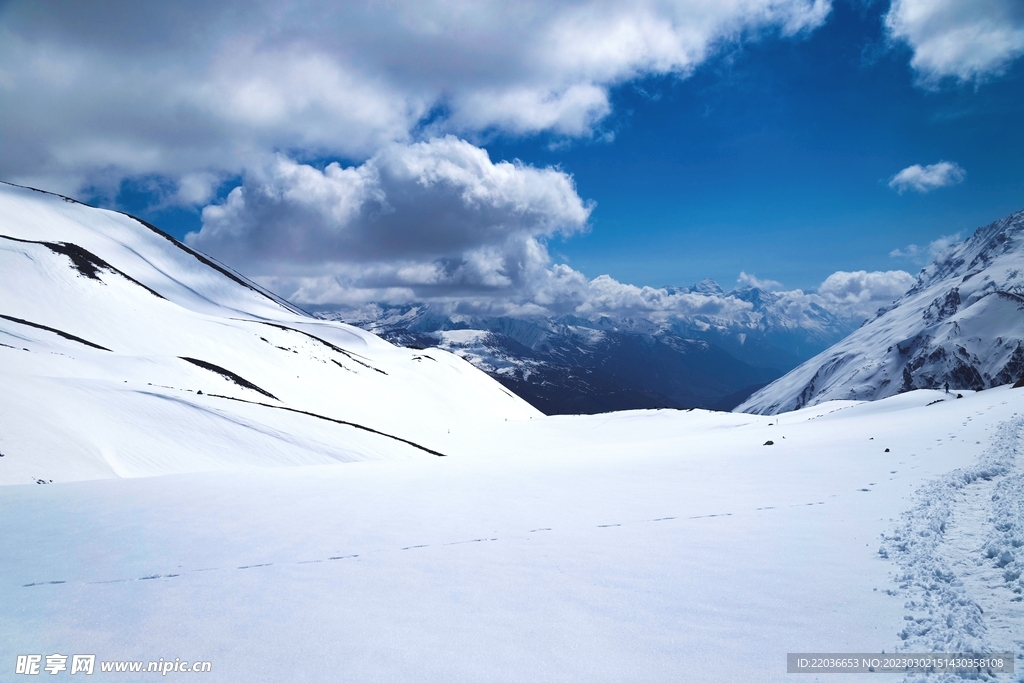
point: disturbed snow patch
(960, 551)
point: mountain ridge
(598, 363)
(960, 325)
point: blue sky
(775, 159)
(334, 154)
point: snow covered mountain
(125, 352)
(961, 324)
(773, 330)
(575, 364)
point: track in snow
(961, 554)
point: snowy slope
(125, 353)
(961, 323)
(640, 546)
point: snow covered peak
(706, 286)
(961, 324)
(979, 253)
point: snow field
(646, 546)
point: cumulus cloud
(190, 88)
(424, 218)
(927, 178)
(481, 281)
(440, 222)
(861, 293)
(966, 41)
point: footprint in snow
(42, 583)
(474, 540)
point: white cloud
(927, 178)
(440, 222)
(861, 293)
(748, 280)
(197, 188)
(848, 295)
(428, 218)
(604, 295)
(186, 88)
(574, 110)
(967, 40)
(928, 253)
(911, 251)
(480, 281)
(195, 92)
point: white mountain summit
(962, 323)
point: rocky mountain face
(961, 325)
(576, 364)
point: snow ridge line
(228, 375)
(202, 258)
(336, 421)
(210, 263)
(351, 355)
(944, 616)
(60, 333)
(84, 261)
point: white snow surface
(641, 546)
(277, 540)
(961, 323)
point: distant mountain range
(575, 364)
(961, 325)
